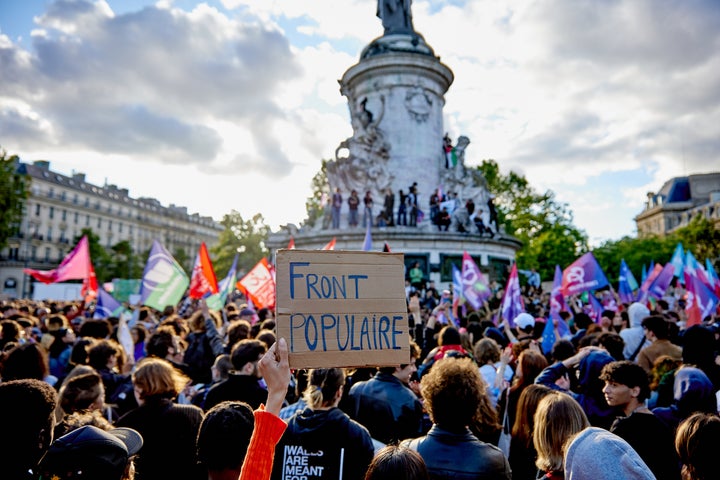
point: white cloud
(244, 94)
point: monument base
(435, 251)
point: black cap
(90, 452)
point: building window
(99, 222)
(87, 202)
(120, 227)
(76, 215)
(47, 254)
(75, 199)
(87, 220)
(131, 229)
(51, 192)
(52, 212)
(33, 253)
(64, 215)
(63, 196)
(49, 234)
(37, 210)
(110, 225)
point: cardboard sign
(342, 309)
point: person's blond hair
(157, 378)
(558, 418)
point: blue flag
(626, 283)
(548, 336)
(106, 305)
(678, 261)
(367, 244)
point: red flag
(75, 266)
(89, 289)
(386, 247)
(330, 245)
(259, 285)
(203, 279)
(291, 244)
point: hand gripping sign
(342, 308)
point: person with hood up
(589, 362)
(322, 442)
(598, 454)
(634, 336)
(693, 392)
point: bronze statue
(395, 15)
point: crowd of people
(191, 393)
(445, 210)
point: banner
(259, 285)
(164, 281)
(342, 309)
(583, 275)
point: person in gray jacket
(596, 454)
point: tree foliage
(538, 220)
(244, 237)
(699, 237)
(13, 193)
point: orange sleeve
(266, 434)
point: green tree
(701, 237)
(637, 252)
(244, 237)
(124, 262)
(544, 225)
(314, 204)
(13, 193)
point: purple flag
(474, 289)
(583, 275)
(512, 302)
(106, 305)
(662, 281)
(164, 281)
(594, 308)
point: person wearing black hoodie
(322, 442)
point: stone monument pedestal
(433, 249)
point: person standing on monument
(412, 205)
(389, 206)
(353, 203)
(493, 213)
(367, 213)
(337, 201)
(402, 209)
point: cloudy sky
(231, 104)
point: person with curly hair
(452, 390)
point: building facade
(679, 200)
(59, 207)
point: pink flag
(75, 266)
